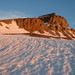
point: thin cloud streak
(12, 14)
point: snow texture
(24, 55)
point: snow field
(24, 55)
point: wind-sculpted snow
(24, 55)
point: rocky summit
(49, 25)
(55, 22)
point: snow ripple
(23, 55)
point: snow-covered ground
(24, 55)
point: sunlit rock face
(34, 24)
(55, 22)
(51, 25)
(58, 24)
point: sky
(34, 8)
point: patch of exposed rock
(58, 24)
(55, 22)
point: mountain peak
(54, 20)
(49, 25)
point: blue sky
(35, 8)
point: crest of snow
(55, 33)
(68, 35)
(36, 32)
(11, 28)
(45, 33)
(61, 34)
(72, 33)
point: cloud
(12, 14)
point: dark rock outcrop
(55, 22)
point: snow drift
(24, 55)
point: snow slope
(11, 28)
(24, 55)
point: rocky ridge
(50, 25)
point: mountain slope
(11, 28)
(58, 24)
(24, 55)
(50, 25)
